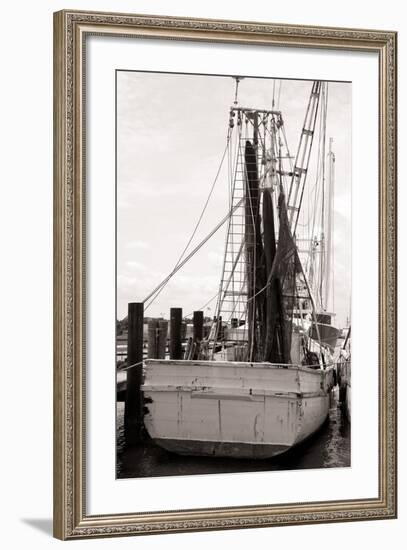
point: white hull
(348, 402)
(233, 409)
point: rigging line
(286, 146)
(318, 176)
(321, 237)
(225, 290)
(193, 252)
(230, 223)
(308, 214)
(232, 175)
(316, 190)
(267, 130)
(236, 303)
(219, 291)
(287, 254)
(204, 306)
(220, 299)
(202, 213)
(313, 308)
(263, 176)
(319, 170)
(333, 232)
(261, 290)
(323, 255)
(304, 153)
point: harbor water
(327, 448)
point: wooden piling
(198, 320)
(220, 332)
(133, 418)
(175, 333)
(152, 350)
(162, 338)
(183, 331)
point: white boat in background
(259, 383)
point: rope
(131, 366)
(316, 190)
(194, 251)
(204, 306)
(199, 219)
(323, 255)
(232, 181)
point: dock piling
(175, 333)
(152, 350)
(198, 333)
(133, 418)
(162, 338)
(198, 320)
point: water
(328, 448)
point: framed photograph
(225, 274)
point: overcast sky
(171, 134)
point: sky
(171, 135)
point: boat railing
(234, 364)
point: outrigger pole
(302, 158)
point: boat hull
(348, 402)
(344, 383)
(229, 409)
(327, 334)
(220, 448)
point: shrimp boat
(259, 382)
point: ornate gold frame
(70, 518)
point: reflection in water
(328, 448)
